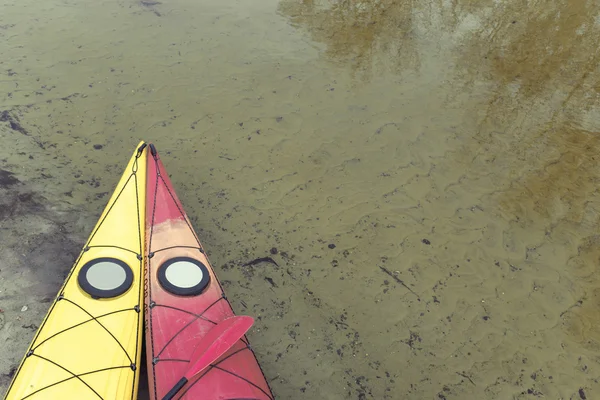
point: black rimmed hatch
(105, 277)
(183, 276)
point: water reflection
(369, 36)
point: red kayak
(184, 302)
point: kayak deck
(184, 300)
(89, 344)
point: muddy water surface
(424, 174)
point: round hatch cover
(105, 277)
(183, 276)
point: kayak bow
(89, 344)
(184, 302)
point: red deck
(175, 324)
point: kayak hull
(175, 322)
(89, 344)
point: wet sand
(424, 174)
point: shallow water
(427, 172)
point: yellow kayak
(89, 344)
